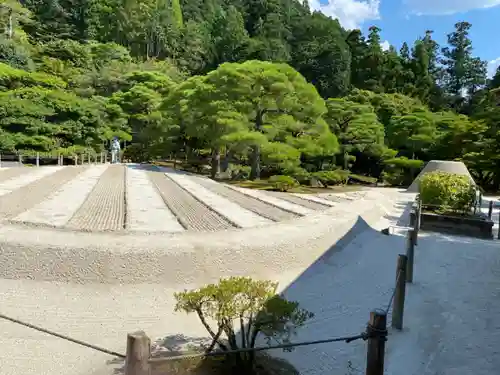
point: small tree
(251, 305)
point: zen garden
(234, 176)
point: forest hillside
(255, 88)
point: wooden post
(76, 159)
(376, 343)
(138, 354)
(37, 159)
(88, 158)
(490, 209)
(498, 235)
(410, 254)
(102, 158)
(418, 218)
(0, 160)
(399, 295)
(20, 157)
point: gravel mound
(456, 167)
(237, 215)
(58, 209)
(316, 206)
(146, 210)
(8, 173)
(104, 208)
(260, 208)
(26, 197)
(191, 213)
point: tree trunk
(226, 160)
(255, 154)
(215, 171)
(255, 159)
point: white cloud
(350, 13)
(385, 45)
(492, 66)
(442, 7)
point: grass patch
(266, 185)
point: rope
(346, 339)
(67, 338)
(393, 293)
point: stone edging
(181, 258)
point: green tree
(464, 73)
(355, 125)
(274, 99)
(243, 304)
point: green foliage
(283, 183)
(330, 178)
(401, 171)
(251, 305)
(362, 179)
(271, 86)
(443, 191)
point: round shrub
(444, 191)
(283, 183)
(329, 178)
(300, 174)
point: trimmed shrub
(442, 191)
(283, 183)
(401, 171)
(364, 180)
(239, 172)
(301, 175)
(330, 178)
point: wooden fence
(43, 158)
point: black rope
(393, 293)
(346, 339)
(67, 338)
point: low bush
(364, 180)
(401, 171)
(283, 183)
(240, 172)
(301, 175)
(441, 191)
(330, 178)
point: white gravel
(285, 205)
(12, 184)
(315, 198)
(451, 324)
(146, 210)
(62, 205)
(104, 314)
(241, 217)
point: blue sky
(406, 20)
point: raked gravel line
(191, 213)
(146, 209)
(280, 203)
(314, 198)
(237, 215)
(260, 208)
(103, 210)
(24, 179)
(31, 194)
(9, 173)
(312, 205)
(62, 205)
